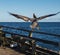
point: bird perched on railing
(34, 19)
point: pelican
(34, 19)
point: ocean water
(49, 27)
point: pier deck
(29, 48)
(9, 51)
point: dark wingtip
(57, 12)
(10, 13)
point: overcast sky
(27, 8)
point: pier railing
(32, 40)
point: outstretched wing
(42, 17)
(20, 17)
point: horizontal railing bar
(56, 35)
(37, 39)
(45, 50)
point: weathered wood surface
(45, 50)
(40, 50)
(9, 51)
(56, 35)
(37, 39)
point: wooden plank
(56, 35)
(37, 39)
(45, 51)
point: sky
(27, 8)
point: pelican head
(34, 16)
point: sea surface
(49, 27)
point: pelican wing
(42, 17)
(20, 17)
